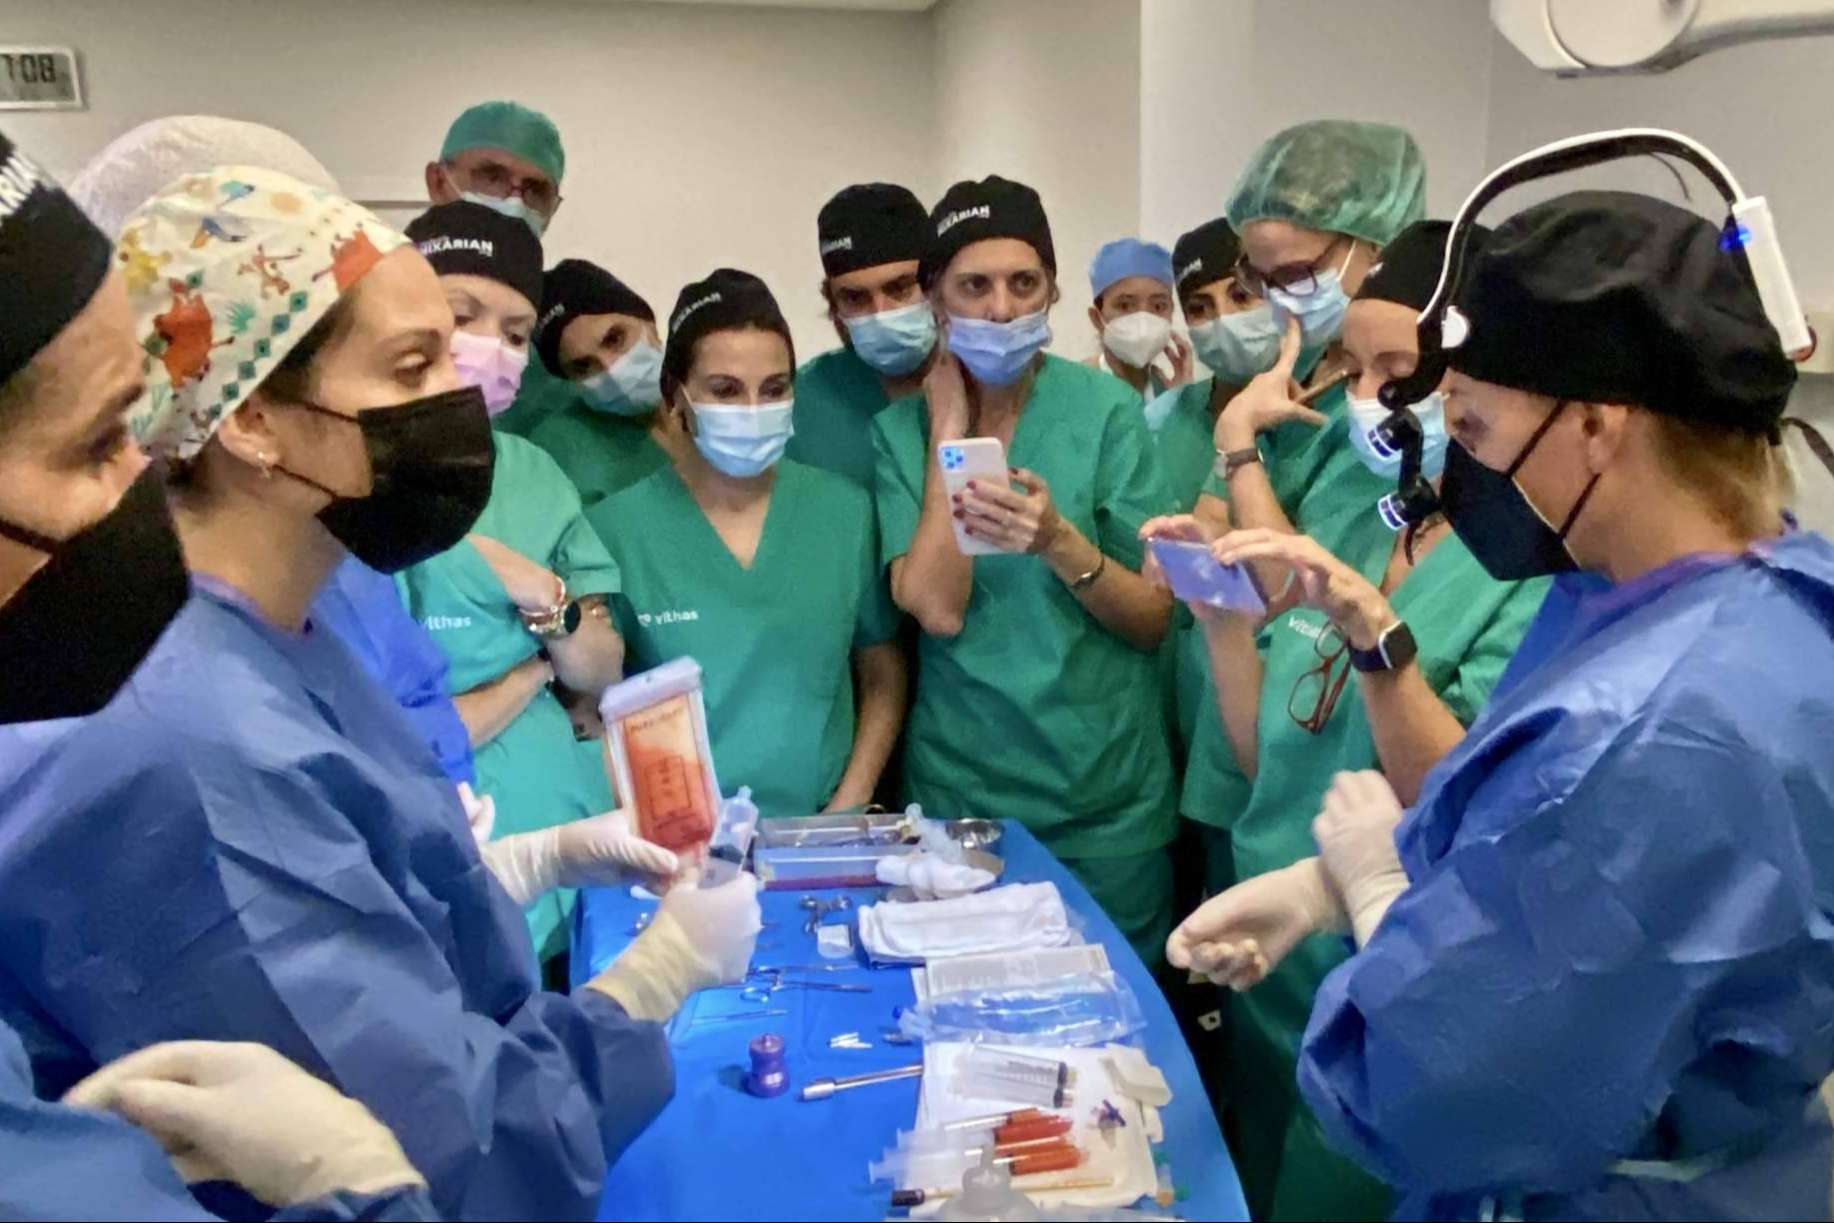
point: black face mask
(430, 462)
(75, 632)
(1497, 522)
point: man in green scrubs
(523, 601)
(871, 237)
(1038, 695)
(508, 158)
(598, 335)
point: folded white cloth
(1017, 917)
(931, 877)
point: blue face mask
(743, 441)
(894, 342)
(1238, 346)
(1366, 414)
(1320, 312)
(510, 206)
(998, 354)
(633, 384)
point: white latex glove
(700, 937)
(1356, 839)
(606, 850)
(480, 813)
(1238, 937)
(601, 851)
(241, 1112)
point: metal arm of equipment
(1587, 38)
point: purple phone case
(1196, 577)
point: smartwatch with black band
(1394, 649)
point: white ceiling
(886, 6)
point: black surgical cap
(1410, 265)
(466, 239)
(1205, 255)
(1612, 297)
(973, 212)
(52, 259)
(725, 300)
(574, 288)
(870, 224)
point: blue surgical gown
(250, 843)
(362, 608)
(1616, 941)
(58, 1162)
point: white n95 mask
(743, 441)
(1137, 339)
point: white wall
(1047, 92)
(1763, 108)
(1220, 76)
(696, 135)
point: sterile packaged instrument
(1000, 1074)
(658, 757)
(1197, 577)
(844, 851)
(1087, 1009)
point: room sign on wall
(39, 78)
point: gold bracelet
(1094, 575)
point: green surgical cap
(1367, 180)
(512, 127)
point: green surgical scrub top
(1034, 710)
(837, 397)
(600, 451)
(775, 642)
(1184, 435)
(535, 770)
(540, 396)
(1324, 490)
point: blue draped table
(718, 1153)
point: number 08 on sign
(39, 78)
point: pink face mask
(490, 365)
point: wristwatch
(1228, 462)
(1395, 647)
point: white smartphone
(972, 458)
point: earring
(266, 462)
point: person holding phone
(1313, 209)
(1389, 647)
(1038, 692)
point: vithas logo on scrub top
(434, 624)
(646, 619)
